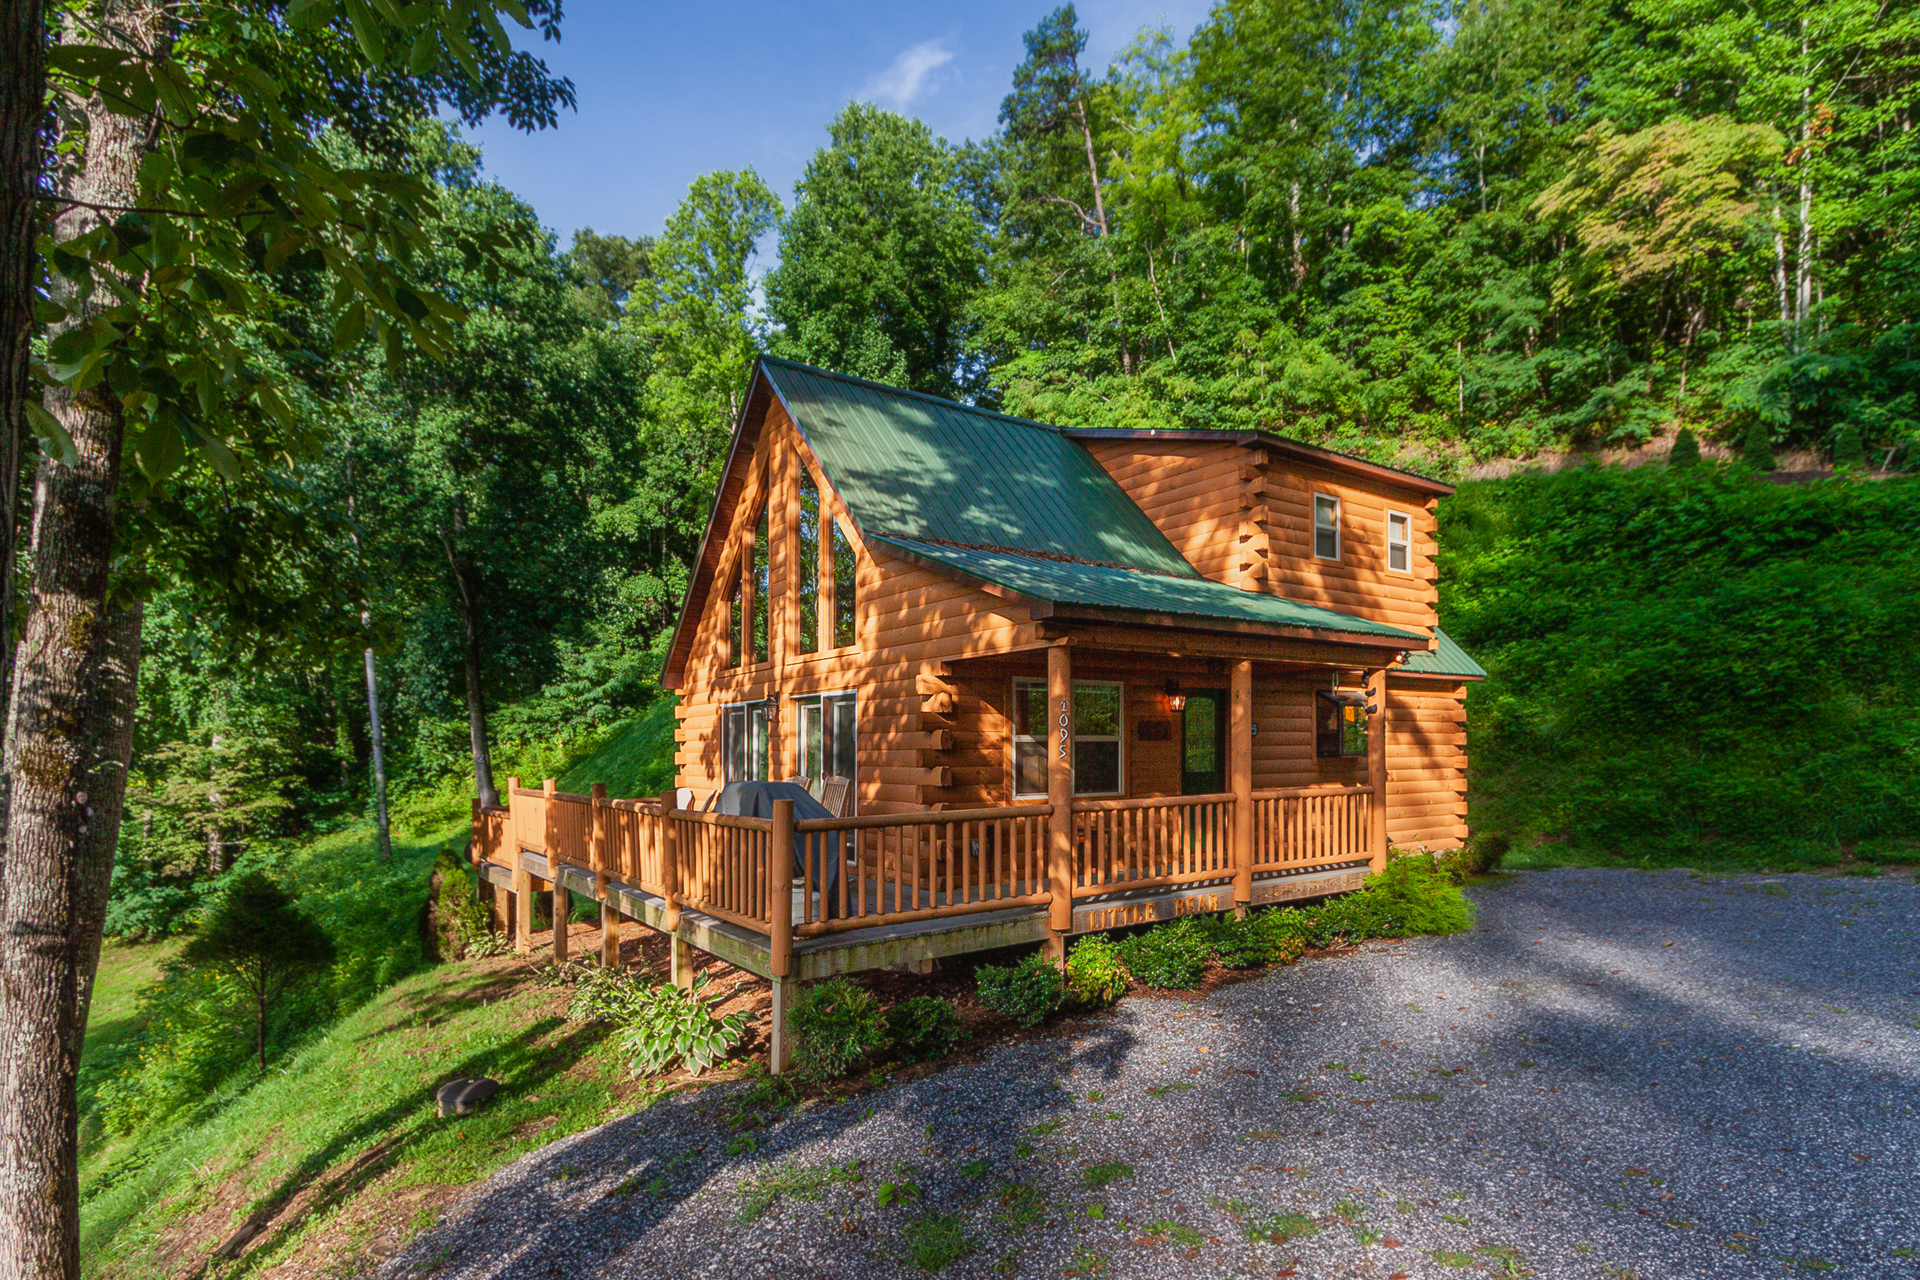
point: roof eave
(1056, 611)
(1296, 449)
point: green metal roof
(915, 466)
(1101, 587)
(1447, 660)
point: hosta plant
(663, 1025)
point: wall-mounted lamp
(1176, 700)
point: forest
(1429, 234)
(362, 438)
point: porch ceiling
(1114, 594)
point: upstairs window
(1097, 720)
(1326, 526)
(806, 565)
(736, 607)
(762, 580)
(1399, 542)
(841, 550)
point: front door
(1203, 743)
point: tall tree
(199, 163)
(881, 257)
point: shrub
(257, 933)
(663, 1024)
(924, 1028)
(1170, 956)
(835, 1025)
(1849, 453)
(1095, 973)
(1414, 896)
(1026, 992)
(1477, 857)
(1686, 449)
(1756, 450)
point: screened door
(1203, 743)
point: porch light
(1176, 700)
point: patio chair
(836, 794)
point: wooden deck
(794, 900)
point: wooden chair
(801, 780)
(835, 794)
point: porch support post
(522, 878)
(1377, 766)
(609, 918)
(1060, 796)
(780, 1056)
(1240, 781)
(562, 900)
(679, 955)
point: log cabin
(1066, 680)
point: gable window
(762, 579)
(1399, 542)
(1098, 765)
(736, 607)
(1340, 723)
(743, 742)
(806, 566)
(1326, 526)
(841, 551)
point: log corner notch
(937, 696)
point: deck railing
(854, 873)
(891, 868)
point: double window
(1097, 724)
(1399, 542)
(1326, 526)
(828, 737)
(748, 607)
(744, 742)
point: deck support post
(1060, 796)
(780, 891)
(597, 854)
(562, 906)
(522, 878)
(780, 1056)
(1240, 782)
(1377, 768)
(679, 962)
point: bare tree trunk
(1100, 220)
(1803, 263)
(379, 758)
(23, 150)
(476, 701)
(69, 737)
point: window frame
(1334, 528)
(1341, 699)
(763, 756)
(1407, 518)
(1016, 739)
(818, 702)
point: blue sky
(670, 91)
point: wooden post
(1240, 781)
(1060, 796)
(562, 900)
(780, 942)
(522, 878)
(1377, 766)
(609, 918)
(679, 959)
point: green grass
(635, 760)
(364, 1088)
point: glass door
(1203, 743)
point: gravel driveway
(1615, 1074)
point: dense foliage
(1690, 662)
(835, 1026)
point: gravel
(1615, 1073)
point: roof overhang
(1294, 449)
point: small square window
(1326, 526)
(1340, 723)
(1399, 542)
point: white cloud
(901, 84)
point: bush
(1686, 449)
(1413, 896)
(835, 1026)
(1026, 992)
(1477, 857)
(924, 1028)
(1095, 972)
(1170, 956)
(1756, 450)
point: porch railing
(855, 873)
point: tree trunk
(476, 700)
(23, 147)
(379, 759)
(69, 737)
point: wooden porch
(905, 889)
